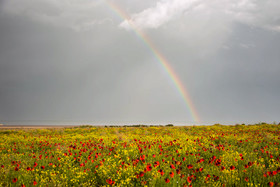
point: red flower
(167, 180)
(22, 185)
(156, 163)
(141, 174)
(42, 167)
(35, 164)
(34, 183)
(149, 167)
(246, 179)
(14, 180)
(232, 168)
(189, 179)
(216, 178)
(190, 166)
(110, 181)
(16, 168)
(171, 174)
(2, 166)
(172, 166)
(218, 162)
(222, 168)
(270, 184)
(161, 172)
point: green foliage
(169, 125)
(85, 126)
(217, 125)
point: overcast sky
(79, 60)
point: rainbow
(160, 58)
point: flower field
(144, 156)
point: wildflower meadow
(240, 155)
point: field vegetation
(240, 155)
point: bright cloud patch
(163, 12)
(264, 14)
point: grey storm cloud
(80, 61)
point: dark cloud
(92, 70)
(241, 82)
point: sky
(97, 61)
